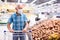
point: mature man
(20, 23)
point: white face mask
(20, 11)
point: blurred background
(35, 10)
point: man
(20, 23)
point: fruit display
(42, 30)
(54, 36)
(8, 7)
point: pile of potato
(43, 29)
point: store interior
(38, 12)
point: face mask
(20, 11)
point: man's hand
(24, 30)
(11, 30)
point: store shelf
(3, 23)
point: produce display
(54, 36)
(44, 29)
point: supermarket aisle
(2, 28)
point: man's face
(19, 7)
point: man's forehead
(20, 6)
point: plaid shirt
(18, 21)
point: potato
(43, 29)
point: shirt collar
(18, 14)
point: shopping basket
(9, 36)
